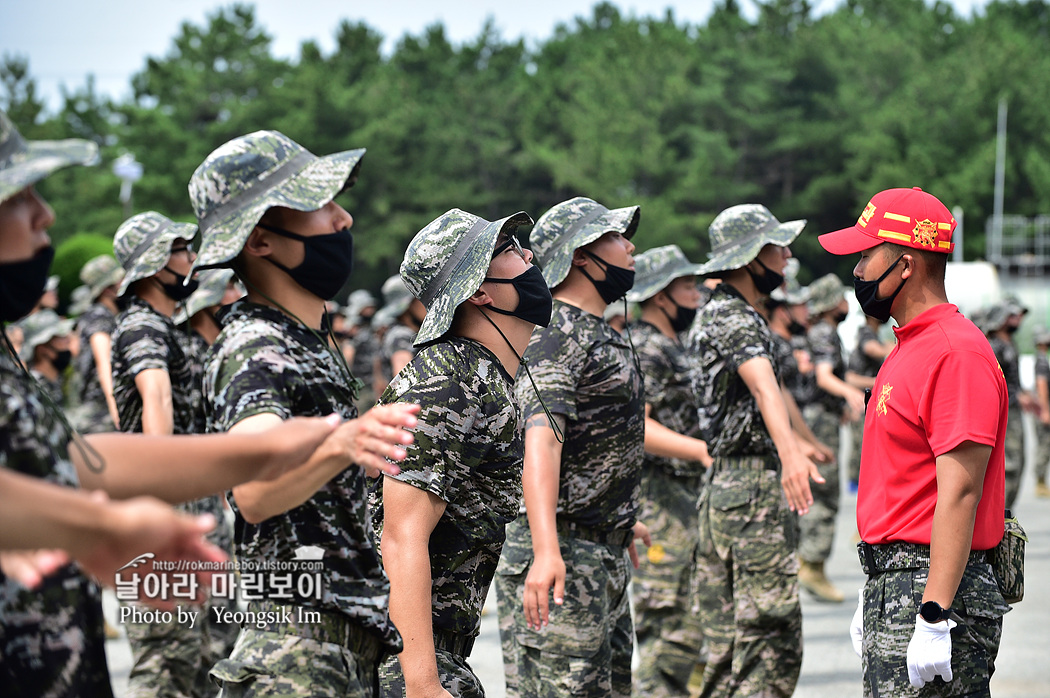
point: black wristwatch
(932, 612)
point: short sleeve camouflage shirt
(146, 339)
(1042, 365)
(826, 348)
(95, 319)
(1009, 361)
(366, 348)
(468, 451)
(263, 362)
(727, 333)
(666, 369)
(398, 337)
(585, 371)
(786, 362)
(859, 362)
(194, 348)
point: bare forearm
(407, 565)
(832, 384)
(260, 500)
(540, 483)
(775, 416)
(663, 442)
(795, 417)
(38, 514)
(950, 540)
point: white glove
(930, 652)
(856, 626)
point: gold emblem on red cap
(925, 233)
(884, 397)
(866, 214)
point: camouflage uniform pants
(891, 603)
(818, 526)
(324, 659)
(586, 649)
(170, 660)
(455, 675)
(856, 430)
(51, 639)
(666, 627)
(1042, 450)
(748, 596)
(1014, 454)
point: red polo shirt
(939, 387)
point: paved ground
(830, 669)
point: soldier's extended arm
(798, 423)
(1042, 393)
(797, 470)
(409, 517)
(540, 479)
(101, 348)
(830, 383)
(666, 443)
(158, 413)
(367, 441)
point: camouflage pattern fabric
(170, 660)
(93, 413)
(51, 639)
(787, 364)
(263, 362)
(740, 232)
(142, 245)
(1042, 431)
(825, 293)
(859, 362)
(146, 339)
(1014, 453)
(656, 268)
(748, 593)
(803, 388)
(727, 333)
(25, 162)
(585, 371)
(366, 349)
(1009, 361)
(586, 649)
(454, 673)
(668, 632)
(818, 526)
(398, 337)
(53, 388)
(242, 178)
(99, 273)
(891, 603)
(826, 348)
(468, 452)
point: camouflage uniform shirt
(803, 387)
(787, 364)
(194, 348)
(96, 319)
(826, 347)
(859, 362)
(1006, 355)
(398, 337)
(729, 332)
(263, 362)
(146, 339)
(1042, 365)
(366, 347)
(666, 369)
(51, 640)
(585, 371)
(468, 451)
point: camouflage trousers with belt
(897, 574)
(1042, 450)
(454, 673)
(664, 588)
(818, 526)
(1014, 454)
(587, 647)
(748, 594)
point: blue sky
(65, 40)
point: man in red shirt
(931, 494)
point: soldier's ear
(258, 243)
(480, 298)
(579, 259)
(908, 261)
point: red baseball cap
(908, 217)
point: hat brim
(40, 159)
(156, 257)
(745, 251)
(113, 278)
(647, 289)
(309, 189)
(620, 220)
(465, 280)
(848, 241)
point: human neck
(508, 346)
(275, 289)
(109, 304)
(203, 323)
(740, 280)
(578, 291)
(46, 369)
(657, 317)
(153, 295)
(910, 303)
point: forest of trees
(807, 114)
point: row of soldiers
(544, 484)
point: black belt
(611, 536)
(322, 626)
(903, 556)
(747, 463)
(456, 644)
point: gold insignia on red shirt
(925, 233)
(884, 397)
(866, 214)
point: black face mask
(327, 262)
(62, 359)
(796, 328)
(1010, 329)
(768, 282)
(535, 303)
(22, 284)
(878, 308)
(180, 290)
(840, 317)
(617, 282)
(683, 317)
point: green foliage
(72, 255)
(809, 115)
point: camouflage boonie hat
(80, 300)
(25, 162)
(979, 318)
(143, 245)
(1014, 306)
(210, 292)
(825, 293)
(241, 179)
(791, 291)
(1041, 335)
(995, 317)
(569, 226)
(740, 232)
(40, 328)
(655, 269)
(447, 261)
(384, 317)
(396, 297)
(356, 302)
(100, 273)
